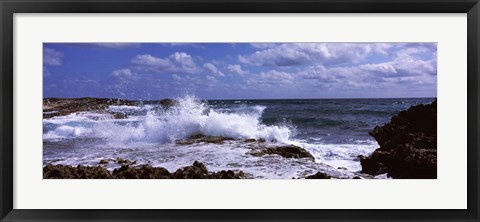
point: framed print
(356, 110)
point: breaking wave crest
(188, 117)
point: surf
(189, 116)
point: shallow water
(334, 131)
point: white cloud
(291, 54)
(122, 73)
(179, 62)
(52, 57)
(412, 66)
(209, 67)
(381, 68)
(401, 70)
(237, 69)
(177, 77)
(280, 56)
(211, 79)
(272, 77)
(318, 72)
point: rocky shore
(196, 171)
(60, 107)
(408, 145)
(258, 147)
(287, 151)
(53, 107)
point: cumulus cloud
(179, 62)
(211, 79)
(411, 66)
(280, 56)
(381, 68)
(401, 70)
(52, 57)
(123, 73)
(272, 77)
(211, 68)
(177, 77)
(237, 69)
(291, 54)
(258, 70)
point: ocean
(334, 131)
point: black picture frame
(10, 7)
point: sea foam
(188, 117)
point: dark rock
(196, 171)
(229, 174)
(200, 138)
(342, 168)
(125, 172)
(200, 166)
(357, 177)
(408, 145)
(119, 115)
(250, 140)
(261, 140)
(103, 161)
(61, 107)
(124, 161)
(149, 172)
(168, 102)
(287, 151)
(318, 175)
(185, 142)
(79, 172)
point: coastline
(408, 145)
(61, 107)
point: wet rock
(124, 161)
(79, 172)
(318, 175)
(215, 139)
(200, 138)
(342, 168)
(261, 140)
(287, 151)
(191, 172)
(149, 172)
(185, 142)
(356, 177)
(61, 107)
(197, 171)
(250, 140)
(229, 174)
(408, 145)
(119, 115)
(125, 172)
(168, 102)
(103, 162)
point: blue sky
(150, 71)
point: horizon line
(244, 99)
